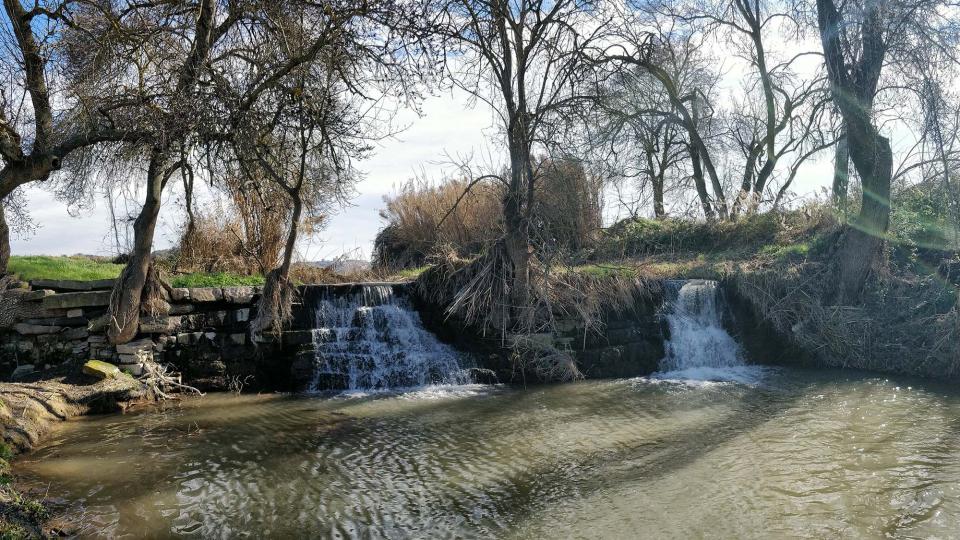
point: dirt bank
(28, 412)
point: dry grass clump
(906, 323)
(245, 240)
(424, 219)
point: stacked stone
(56, 328)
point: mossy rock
(101, 370)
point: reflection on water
(794, 454)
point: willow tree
(523, 58)
(861, 41)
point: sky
(449, 128)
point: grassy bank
(87, 268)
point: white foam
(699, 349)
(375, 341)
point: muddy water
(786, 454)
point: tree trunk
(658, 209)
(873, 158)
(841, 174)
(517, 241)
(700, 183)
(4, 241)
(125, 302)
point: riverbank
(29, 411)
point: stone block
(133, 369)
(37, 295)
(238, 295)
(206, 294)
(180, 294)
(97, 339)
(22, 371)
(182, 309)
(101, 370)
(133, 347)
(75, 333)
(72, 313)
(238, 339)
(36, 329)
(58, 321)
(127, 359)
(77, 299)
(158, 325)
(71, 285)
(241, 315)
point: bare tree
(37, 131)
(524, 60)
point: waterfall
(699, 347)
(372, 339)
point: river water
(780, 453)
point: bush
(920, 219)
(424, 218)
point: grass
(73, 268)
(218, 279)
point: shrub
(423, 219)
(920, 219)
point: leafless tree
(522, 58)
(860, 41)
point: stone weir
(206, 336)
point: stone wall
(205, 334)
(629, 343)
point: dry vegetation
(425, 220)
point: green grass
(219, 279)
(62, 268)
(411, 273)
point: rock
(205, 294)
(77, 299)
(182, 309)
(134, 347)
(75, 333)
(35, 329)
(127, 359)
(298, 337)
(101, 370)
(238, 295)
(58, 321)
(238, 339)
(97, 339)
(74, 313)
(71, 285)
(158, 325)
(134, 369)
(180, 294)
(242, 315)
(22, 371)
(189, 338)
(34, 296)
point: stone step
(72, 285)
(76, 300)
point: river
(775, 453)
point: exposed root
(160, 380)
(477, 293)
(276, 304)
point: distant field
(80, 268)
(66, 268)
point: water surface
(788, 454)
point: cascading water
(373, 340)
(699, 347)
